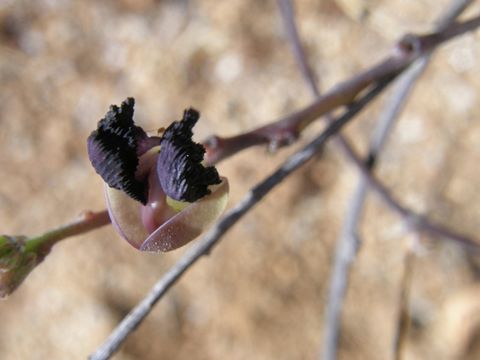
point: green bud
(15, 263)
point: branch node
(409, 45)
(282, 139)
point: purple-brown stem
(286, 130)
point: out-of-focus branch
(286, 130)
(403, 317)
(288, 17)
(349, 241)
(413, 220)
(206, 244)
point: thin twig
(403, 320)
(345, 253)
(413, 220)
(284, 131)
(88, 221)
(391, 112)
(349, 241)
(288, 17)
(205, 245)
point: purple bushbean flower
(159, 194)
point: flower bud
(15, 263)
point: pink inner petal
(157, 211)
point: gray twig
(348, 242)
(403, 317)
(288, 16)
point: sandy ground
(261, 294)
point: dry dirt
(261, 294)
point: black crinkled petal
(179, 167)
(112, 150)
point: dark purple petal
(179, 167)
(114, 149)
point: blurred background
(261, 294)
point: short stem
(89, 221)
